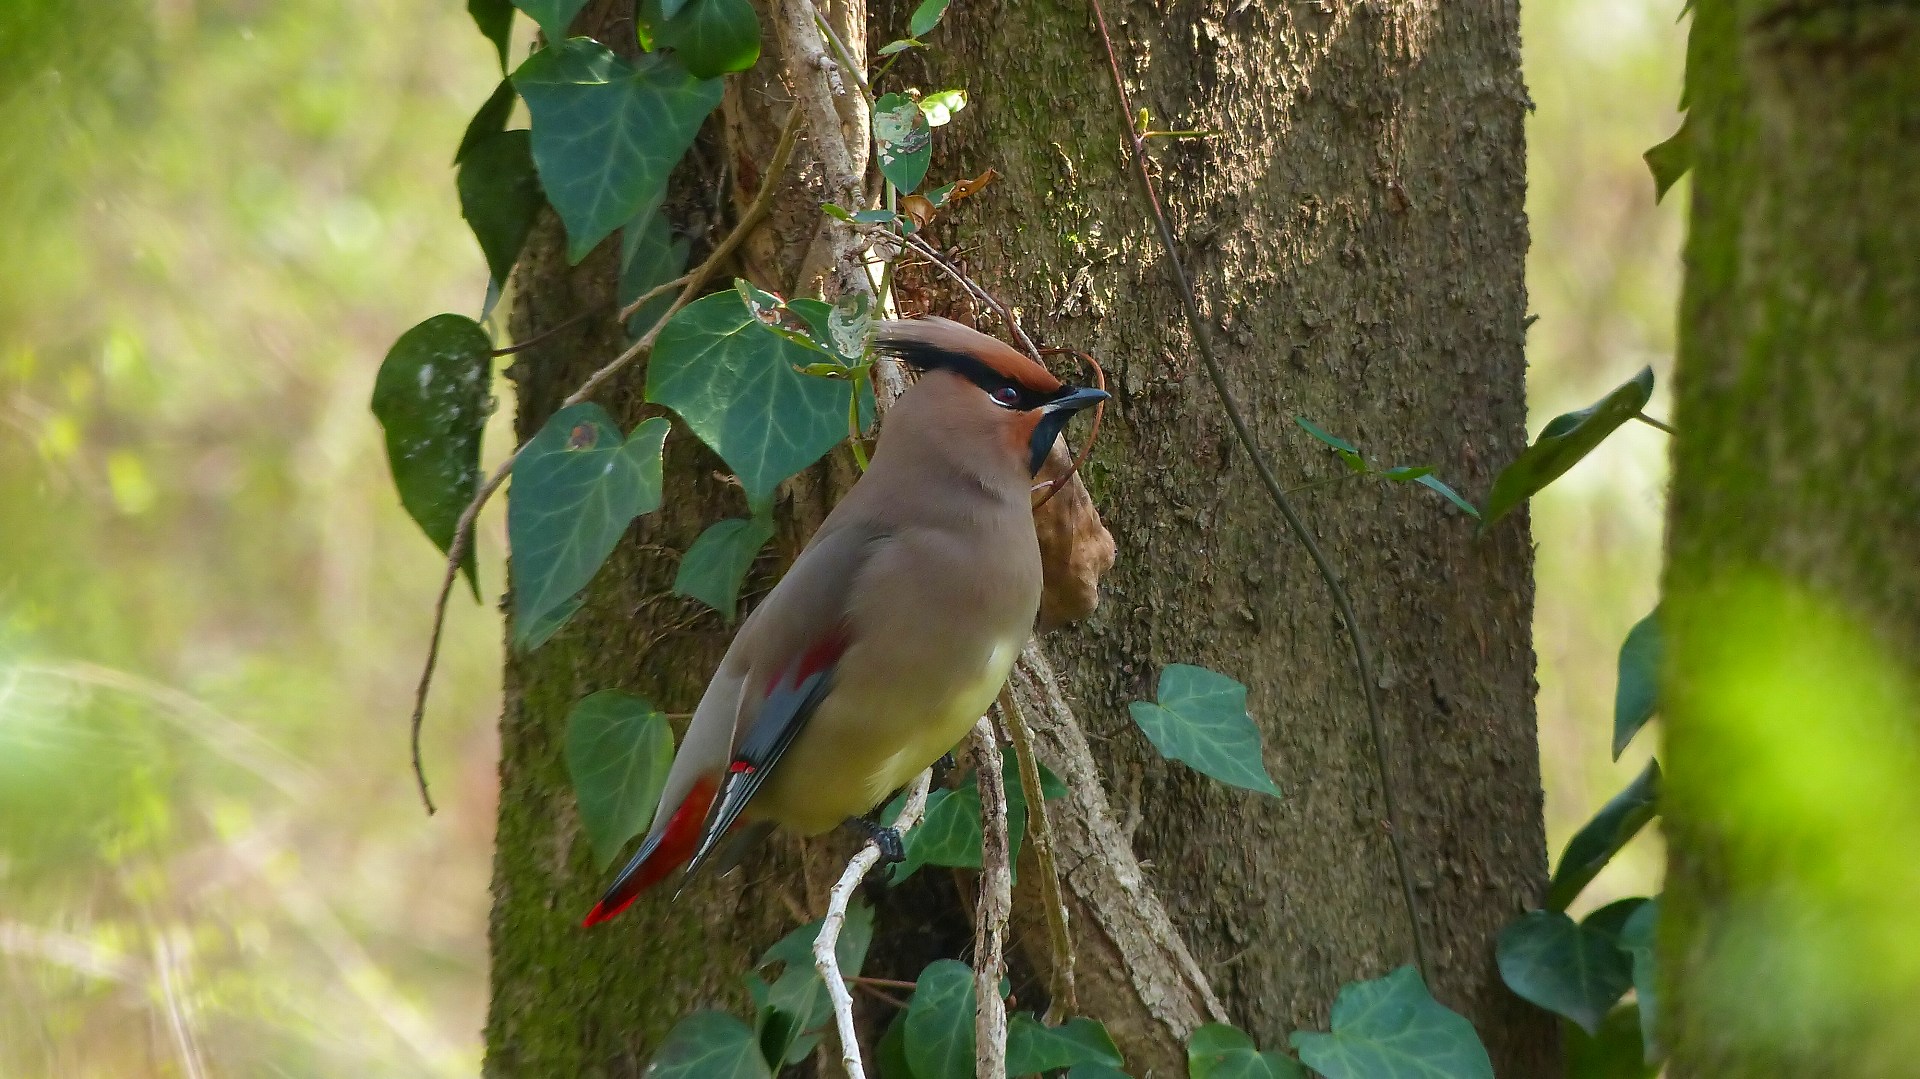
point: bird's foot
(892, 847)
(944, 767)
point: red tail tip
(601, 912)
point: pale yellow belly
(856, 750)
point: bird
(896, 626)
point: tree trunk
(1356, 232)
(1372, 284)
(1793, 579)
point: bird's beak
(1079, 398)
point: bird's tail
(662, 853)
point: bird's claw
(944, 766)
(893, 848)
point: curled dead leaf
(1076, 549)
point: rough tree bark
(1794, 466)
(1358, 232)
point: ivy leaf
(1407, 473)
(500, 197)
(1638, 693)
(1349, 453)
(1614, 1053)
(1202, 721)
(1637, 940)
(1033, 1047)
(607, 132)
(1609, 921)
(1391, 1028)
(553, 16)
(530, 635)
(926, 17)
(797, 1002)
(1597, 841)
(715, 567)
(618, 751)
(495, 20)
(1670, 160)
(1433, 483)
(1566, 968)
(903, 140)
(902, 45)
(709, 1045)
(940, 1022)
(939, 107)
(950, 832)
(1219, 1051)
(431, 399)
(650, 256)
(710, 37)
(491, 119)
(576, 487)
(1563, 442)
(733, 381)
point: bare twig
(995, 907)
(463, 530)
(840, 51)
(1651, 422)
(926, 251)
(1060, 987)
(1363, 662)
(654, 293)
(824, 943)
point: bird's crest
(932, 343)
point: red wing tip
(602, 913)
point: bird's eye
(1006, 396)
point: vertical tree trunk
(1793, 575)
(1358, 233)
(1355, 227)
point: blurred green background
(215, 216)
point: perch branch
(463, 530)
(995, 908)
(1060, 988)
(1363, 662)
(824, 957)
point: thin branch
(926, 250)
(1060, 987)
(463, 530)
(995, 907)
(1651, 422)
(1363, 662)
(650, 295)
(544, 335)
(824, 958)
(840, 50)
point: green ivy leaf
(1219, 1051)
(950, 832)
(733, 381)
(1563, 442)
(1637, 940)
(530, 635)
(1202, 721)
(1433, 484)
(618, 751)
(491, 119)
(940, 1022)
(606, 132)
(1609, 921)
(926, 17)
(500, 197)
(940, 107)
(495, 20)
(576, 487)
(552, 16)
(903, 140)
(650, 256)
(1391, 1028)
(715, 567)
(1614, 1053)
(797, 1002)
(1407, 473)
(709, 1045)
(1670, 160)
(1349, 453)
(902, 45)
(1637, 695)
(1034, 1047)
(431, 399)
(710, 37)
(1566, 968)
(1597, 841)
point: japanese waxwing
(895, 628)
